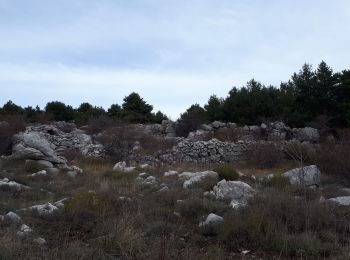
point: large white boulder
(308, 176)
(237, 192)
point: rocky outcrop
(33, 145)
(308, 176)
(43, 146)
(12, 185)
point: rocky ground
(87, 207)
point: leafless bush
(333, 157)
(123, 140)
(97, 125)
(301, 153)
(225, 134)
(11, 126)
(265, 155)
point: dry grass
(111, 216)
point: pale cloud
(175, 53)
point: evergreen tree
(135, 109)
(159, 117)
(214, 108)
(60, 111)
(11, 108)
(115, 111)
(191, 120)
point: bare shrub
(225, 134)
(264, 155)
(301, 153)
(97, 125)
(333, 157)
(11, 126)
(124, 140)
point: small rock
(12, 217)
(197, 177)
(142, 174)
(341, 201)
(43, 210)
(121, 166)
(24, 230)
(72, 174)
(77, 169)
(212, 219)
(170, 173)
(40, 241)
(40, 173)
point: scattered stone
(40, 173)
(24, 230)
(121, 166)
(142, 174)
(12, 185)
(12, 217)
(165, 188)
(77, 169)
(151, 180)
(341, 201)
(60, 204)
(72, 174)
(170, 173)
(40, 241)
(145, 166)
(212, 219)
(43, 210)
(308, 176)
(196, 177)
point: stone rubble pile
(212, 151)
(275, 131)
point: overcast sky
(173, 52)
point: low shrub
(225, 171)
(279, 181)
(276, 221)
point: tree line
(133, 110)
(319, 96)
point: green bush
(226, 172)
(276, 181)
